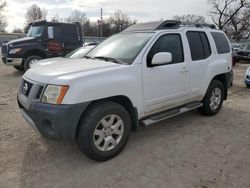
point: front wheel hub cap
(108, 132)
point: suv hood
(62, 70)
(46, 62)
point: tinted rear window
(221, 42)
(199, 45)
(206, 45)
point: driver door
(166, 86)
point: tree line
(105, 28)
(231, 16)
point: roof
(43, 22)
(167, 24)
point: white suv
(145, 74)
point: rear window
(221, 42)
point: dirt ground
(186, 151)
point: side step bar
(171, 113)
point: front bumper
(57, 122)
(12, 61)
(247, 80)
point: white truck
(143, 75)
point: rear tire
(19, 68)
(104, 131)
(29, 60)
(213, 99)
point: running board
(171, 113)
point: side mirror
(50, 33)
(162, 58)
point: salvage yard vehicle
(143, 75)
(247, 77)
(243, 54)
(235, 47)
(44, 40)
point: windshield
(79, 53)
(122, 47)
(36, 31)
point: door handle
(184, 70)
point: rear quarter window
(221, 42)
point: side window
(206, 45)
(58, 33)
(168, 43)
(221, 42)
(199, 45)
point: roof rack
(168, 24)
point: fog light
(48, 127)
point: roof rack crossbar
(169, 24)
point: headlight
(54, 94)
(15, 50)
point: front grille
(39, 93)
(4, 49)
(26, 88)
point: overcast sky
(141, 10)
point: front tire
(104, 131)
(213, 99)
(28, 61)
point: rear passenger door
(200, 51)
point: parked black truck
(44, 40)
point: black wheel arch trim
(227, 80)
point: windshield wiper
(108, 59)
(87, 57)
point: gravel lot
(186, 151)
